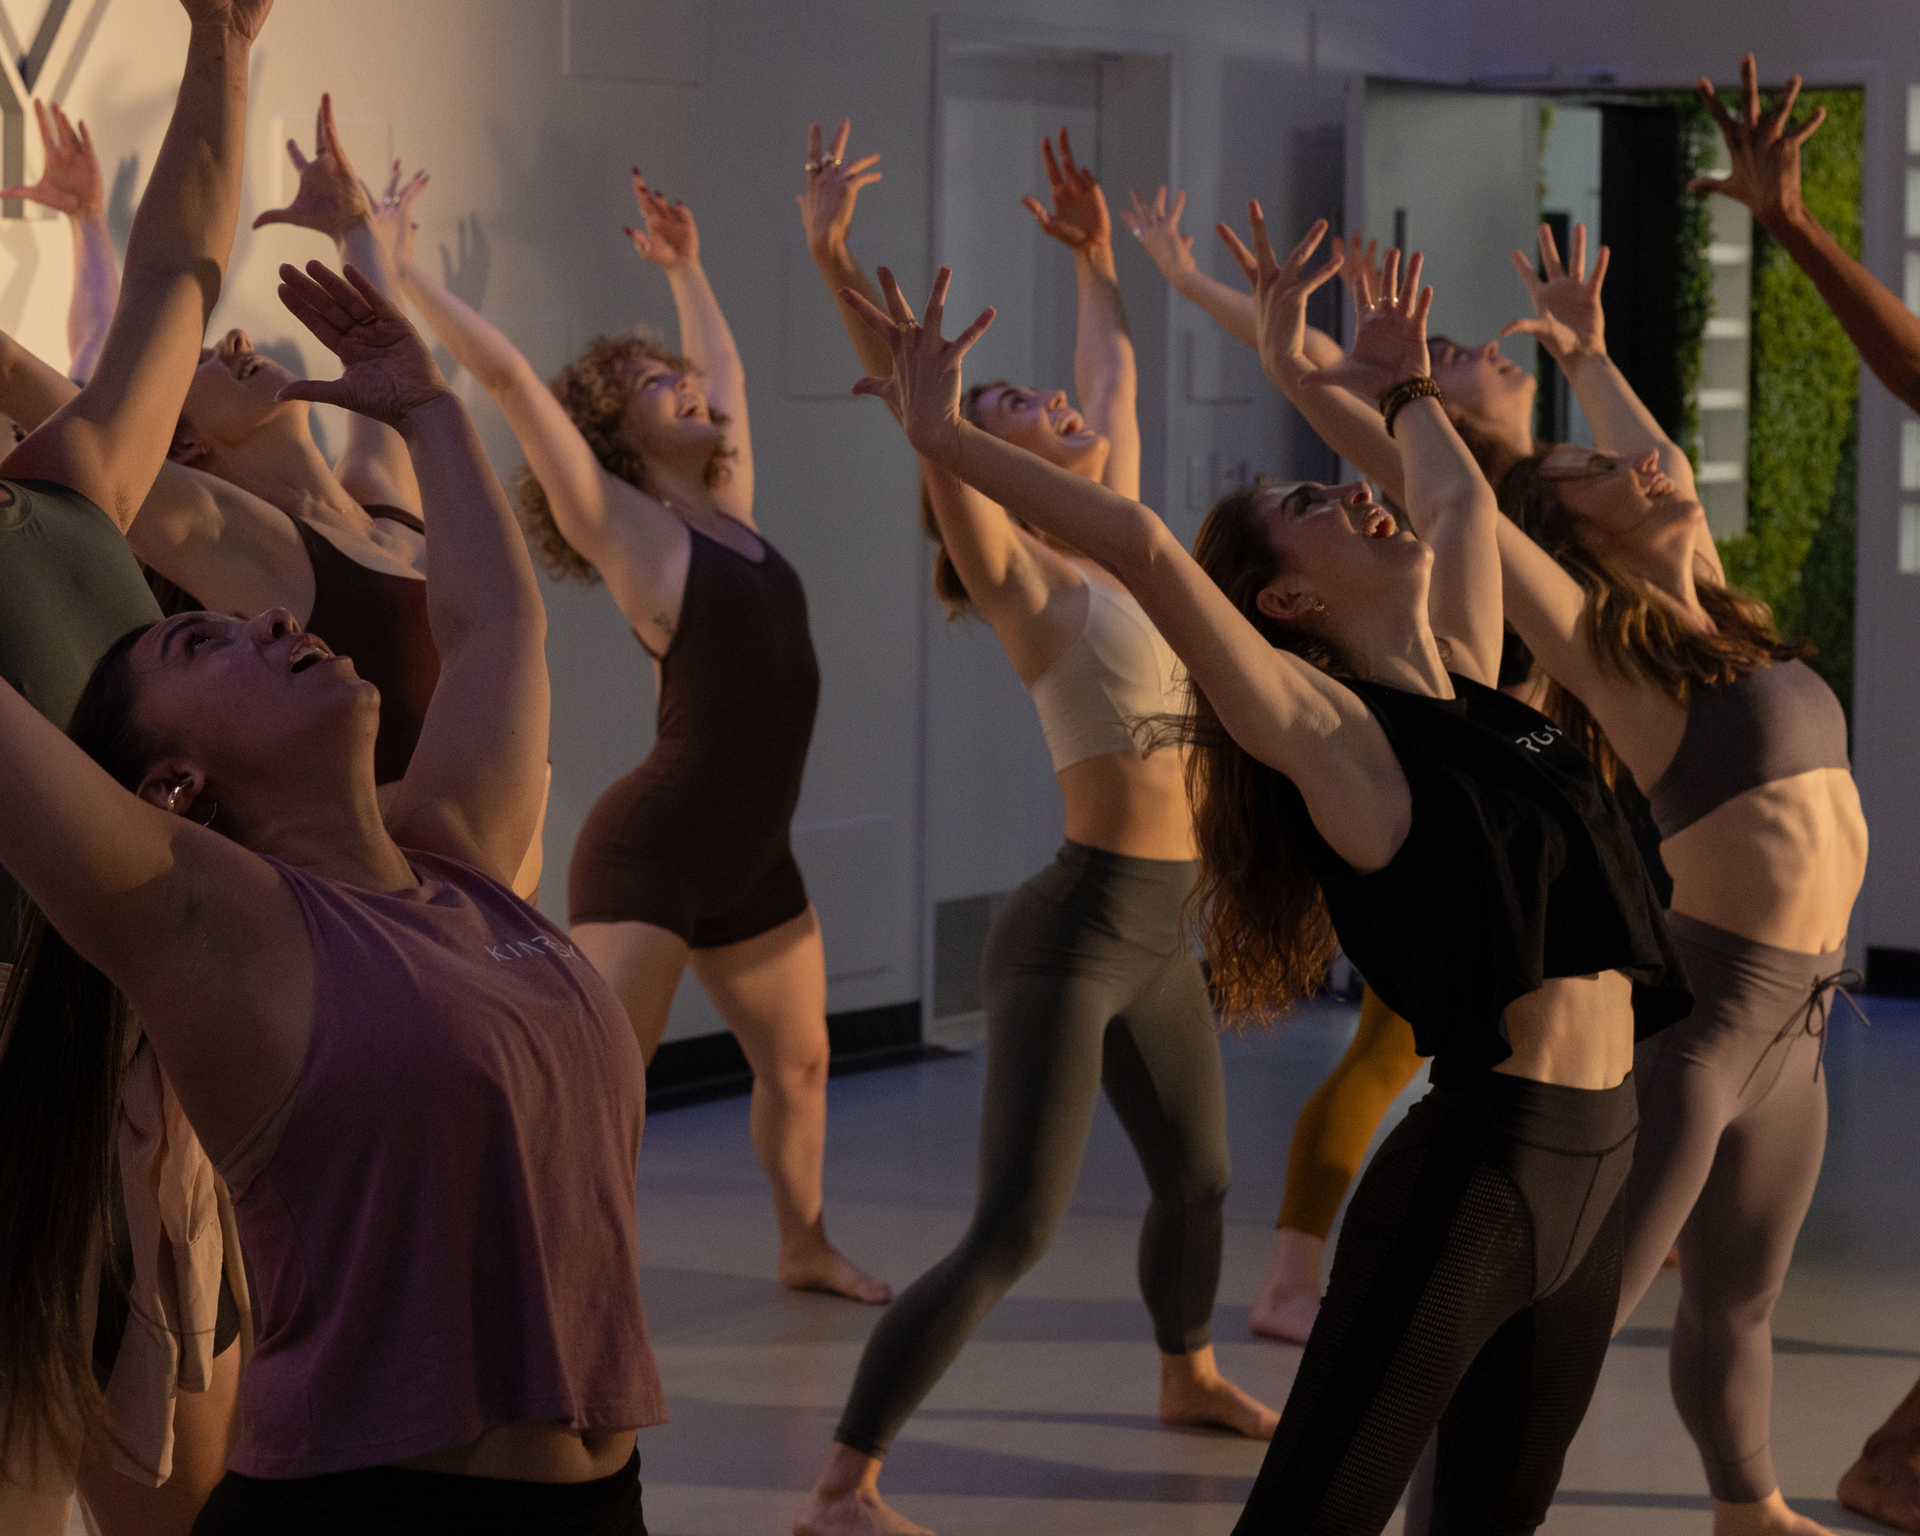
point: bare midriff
(534, 1453)
(1123, 803)
(1780, 864)
(1576, 1032)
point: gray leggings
(1733, 1124)
(1090, 984)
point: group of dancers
(274, 756)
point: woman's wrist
(429, 412)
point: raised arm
(333, 201)
(826, 213)
(474, 788)
(581, 493)
(1104, 375)
(1348, 425)
(70, 181)
(1448, 499)
(1569, 321)
(109, 442)
(1278, 708)
(1765, 152)
(668, 238)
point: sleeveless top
(1117, 673)
(1768, 724)
(377, 618)
(69, 587)
(443, 1240)
(1519, 866)
(739, 683)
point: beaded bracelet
(1419, 387)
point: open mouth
(1659, 487)
(1067, 422)
(306, 652)
(251, 364)
(1379, 524)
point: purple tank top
(443, 1240)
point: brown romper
(696, 839)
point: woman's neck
(337, 835)
(1403, 655)
(287, 470)
(1666, 565)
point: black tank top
(377, 618)
(1519, 866)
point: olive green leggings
(1332, 1135)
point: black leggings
(1473, 1288)
(1090, 984)
(398, 1501)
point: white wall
(711, 101)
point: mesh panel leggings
(1089, 984)
(1331, 1137)
(1473, 1288)
(1733, 1115)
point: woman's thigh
(771, 991)
(642, 963)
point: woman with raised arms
(427, 1103)
(1352, 762)
(640, 474)
(1088, 974)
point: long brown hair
(947, 585)
(594, 389)
(1628, 628)
(64, 1032)
(1261, 914)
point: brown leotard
(696, 839)
(377, 618)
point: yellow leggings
(1334, 1130)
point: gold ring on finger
(904, 325)
(813, 166)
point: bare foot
(1763, 1517)
(819, 1266)
(1884, 1488)
(1194, 1393)
(846, 1501)
(1289, 1298)
(861, 1513)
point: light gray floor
(1046, 1423)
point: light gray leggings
(1090, 984)
(1733, 1124)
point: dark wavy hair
(1629, 629)
(1261, 914)
(64, 1039)
(594, 390)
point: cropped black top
(1519, 866)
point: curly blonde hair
(594, 390)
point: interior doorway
(992, 807)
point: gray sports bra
(1770, 724)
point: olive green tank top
(69, 587)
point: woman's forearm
(96, 290)
(1620, 422)
(1103, 360)
(1229, 308)
(704, 334)
(1885, 331)
(476, 344)
(840, 270)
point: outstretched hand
(1567, 317)
(923, 391)
(1079, 218)
(666, 236)
(1765, 155)
(70, 179)
(826, 207)
(391, 216)
(330, 198)
(1280, 293)
(1157, 227)
(389, 372)
(1390, 343)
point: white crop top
(1117, 674)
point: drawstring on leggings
(1811, 1017)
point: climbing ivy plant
(1804, 414)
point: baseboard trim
(1893, 972)
(707, 1067)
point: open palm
(667, 235)
(70, 181)
(1390, 342)
(1568, 319)
(1280, 292)
(388, 370)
